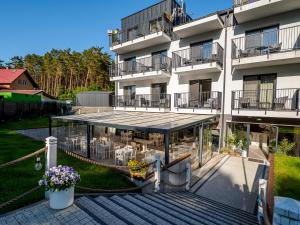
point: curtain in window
(266, 91)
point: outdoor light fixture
(38, 165)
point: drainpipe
(224, 84)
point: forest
(63, 73)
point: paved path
(38, 134)
(234, 183)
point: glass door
(129, 95)
(200, 92)
(158, 94)
(201, 51)
(159, 60)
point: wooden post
(157, 174)
(166, 140)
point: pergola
(164, 123)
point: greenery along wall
(15, 97)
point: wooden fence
(18, 110)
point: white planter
(61, 199)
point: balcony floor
(268, 113)
(279, 58)
(199, 68)
(142, 76)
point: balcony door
(129, 65)
(159, 61)
(260, 90)
(200, 92)
(129, 95)
(201, 51)
(158, 93)
(261, 39)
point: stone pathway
(38, 134)
(41, 214)
(234, 182)
(129, 209)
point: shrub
(285, 147)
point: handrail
(22, 158)
(264, 206)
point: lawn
(287, 176)
(16, 179)
(37, 122)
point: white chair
(119, 156)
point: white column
(157, 174)
(51, 153)
(188, 175)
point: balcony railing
(268, 42)
(120, 36)
(143, 101)
(267, 99)
(144, 65)
(206, 100)
(196, 55)
(237, 3)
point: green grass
(287, 176)
(37, 122)
(17, 179)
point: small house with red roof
(17, 79)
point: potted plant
(60, 182)
(138, 169)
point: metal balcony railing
(267, 99)
(120, 36)
(237, 3)
(144, 65)
(144, 101)
(207, 100)
(196, 55)
(268, 42)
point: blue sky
(37, 26)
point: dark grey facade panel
(94, 99)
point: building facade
(241, 64)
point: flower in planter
(59, 178)
(138, 169)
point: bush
(286, 147)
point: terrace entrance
(116, 137)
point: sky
(37, 26)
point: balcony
(247, 10)
(143, 36)
(145, 68)
(208, 101)
(144, 102)
(199, 26)
(203, 58)
(267, 102)
(276, 47)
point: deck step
(126, 215)
(98, 213)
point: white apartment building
(241, 64)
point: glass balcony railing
(117, 36)
(144, 65)
(267, 42)
(206, 100)
(267, 99)
(196, 55)
(143, 101)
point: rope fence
(22, 158)
(19, 197)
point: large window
(129, 95)
(130, 65)
(201, 50)
(260, 90)
(159, 60)
(200, 92)
(261, 39)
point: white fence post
(157, 173)
(262, 198)
(51, 153)
(188, 175)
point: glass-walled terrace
(117, 146)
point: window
(129, 65)
(159, 60)
(129, 95)
(200, 92)
(260, 90)
(201, 50)
(159, 90)
(261, 39)
(155, 25)
(132, 33)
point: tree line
(62, 73)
